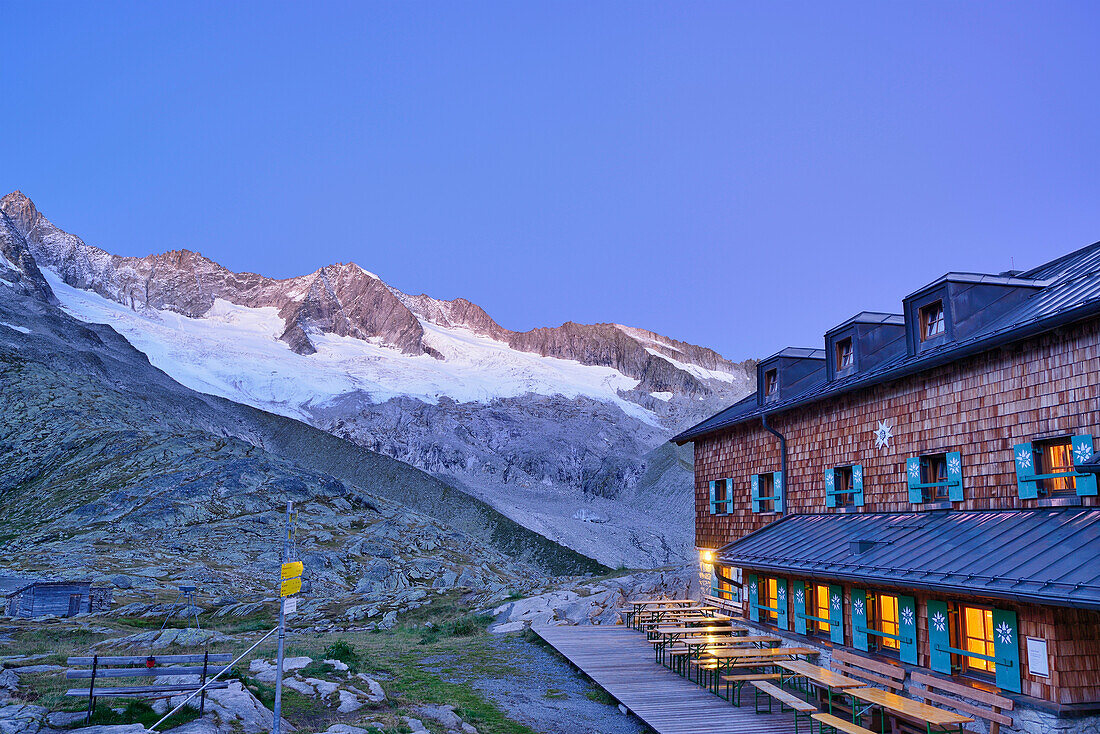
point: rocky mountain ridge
(346, 300)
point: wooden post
(91, 691)
(202, 698)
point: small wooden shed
(23, 597)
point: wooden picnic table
(686, 631)
(657, 615)
(821, 677)
(662, 602)
(906, 707)
(728, 657)
(644, 605)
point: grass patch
(136, 712)
(599, 695)
(555, 694)
(345, 653)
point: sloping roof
(12, 584)
(1072, 293)
(1045, 556)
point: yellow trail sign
(290, 570)
(290, 586)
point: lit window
(820, 608)
(844, 356)
(933, 470)
(973, 632)
(771, 383)
(769, 597)
(931, 320)
(1055, 457)
(882, 616)
(845, 496)
(767, 489)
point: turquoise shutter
(1026, 486)
(1082, 452)
(1006, 646)
(955, 476)
(939, 637)
(781, 604)
(857, 483)
(830, 487)
(859, 619)
(715, 588)
(713, 505)
(799, 607)
(756, 493)
(729, 496)
(836, 614)
(912, 474)
(754, 599)
(907, 629)
(777, 482)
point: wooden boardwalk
(621, 662)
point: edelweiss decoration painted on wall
(883, 434)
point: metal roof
(11, 584)
(871, 317)
(1046, 556)
(983, 278)
(797, 353)
(1072, 293)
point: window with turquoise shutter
(721, 496)
(1046, 467)
(801, 612)
(975, 641)
(844, 486)
(767, 492)
(935, 477)
(859, 619)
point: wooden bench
(889, 676)
(737, 682)
(975, 701)
(838, 724)
(144, 666)
(866, 670)
(789, 700)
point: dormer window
(845, 358)
(771, 384)
(931, 321)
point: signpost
(290, 583)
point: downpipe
(782, 457)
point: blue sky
(739, 175)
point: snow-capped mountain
(545, 424)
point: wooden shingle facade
(977, 402)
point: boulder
(375, 692)
(237, 704)
(112, 729)
(122, 581)
(348, 702)
(63, 719)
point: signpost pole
(282, 631)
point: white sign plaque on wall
(1037, 661)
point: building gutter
(961, 589)
(782, 457)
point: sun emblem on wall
(883, 434)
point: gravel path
(566, 710)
